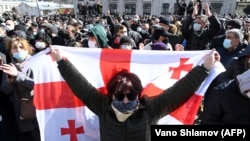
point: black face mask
(165, 41)
(66, 36)
(125, 107)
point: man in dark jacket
(217, 42)
(7, 118)
(232, 46)
(200, 33)
(124, 113)
(228, 103)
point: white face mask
(40, 45)
(197, 27)
(92, 44)
(124, 34)
(127, 47)
(248, 94)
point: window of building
(147, 8)
(113, 8)
(130, 8)
(1, 7)
(216, 7)
(165, 8)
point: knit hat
(235, 23)
(20, 34)
(244, 81)
(125, 39)
(43, 37)
(160, 32)
(159, 46)
(164, 20)
(51, 27)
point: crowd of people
(225, 102)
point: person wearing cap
(159, 35)
(217, 41)
(164, 22)
(172, 38)
(228, 103)
(52, 31)
(199, 30)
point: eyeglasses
(130, 96)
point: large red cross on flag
(63, 117)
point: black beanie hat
(235, 23)
(125, 39)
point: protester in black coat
(7, 118)
(228, 103)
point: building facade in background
(156, 7)
(149, 7)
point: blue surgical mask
(227, 43)
(125, 107)
(20, 56)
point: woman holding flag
(125, 114)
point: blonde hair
(24, 43)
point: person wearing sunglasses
(125, 113)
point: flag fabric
(63, 117)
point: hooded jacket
(101, 35)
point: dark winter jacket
(137, 126)
(226, 105)
(200, 42)
(21, 87)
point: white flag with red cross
(63, 117)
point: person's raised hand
(56, 54)
(210, 59)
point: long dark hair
(124, 81)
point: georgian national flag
(63, 117)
